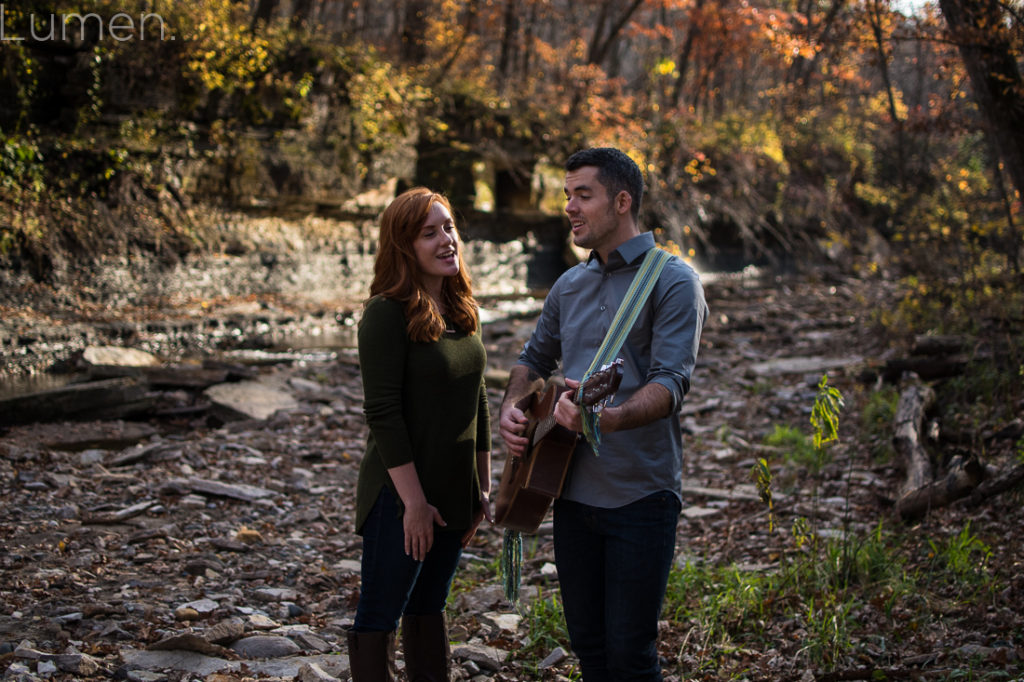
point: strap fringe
(591, 427)
(512, 563)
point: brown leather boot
(425, 645)
(371, 656)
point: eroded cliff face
(244, 235)
(273, 277)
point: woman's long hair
(396, 272)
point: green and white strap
(622, 323)
(625, 317)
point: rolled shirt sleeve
(660, 348)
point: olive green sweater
(424, 403)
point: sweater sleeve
(382, 350)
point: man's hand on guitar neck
(567, 413)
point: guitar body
(530, 483)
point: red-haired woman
(426, 475)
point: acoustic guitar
(530, 483)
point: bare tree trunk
(301, 11)
(875, 10)
(819, 34)
(683, 60)
(413, 48)
(468, 26)
(509, 37)
(528, 34)
(980, 28)
(264, 12)
(601, 43)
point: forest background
(845, 132)
(880, 141)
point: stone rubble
(209, 545)
(219, 546)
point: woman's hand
(418, 522)
(484, 512)
(419, 516)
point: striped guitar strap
(640, 288)
(622, 323)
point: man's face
(591, 213)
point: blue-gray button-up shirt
(661, 348)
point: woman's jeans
(613, 567)
(394, 583)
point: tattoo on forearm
(522, 380)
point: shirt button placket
(604, 291)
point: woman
(426, 475)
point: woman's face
(437, 247)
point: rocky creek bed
(212, 546)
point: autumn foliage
(770, 131)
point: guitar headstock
(600, 385)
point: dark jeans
(394, 583)
(613, 567)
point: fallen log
(943, 344)
(109, 398)
(925, 366)
(996, 485)
(963, 478)
(921, 491)
(915, 400)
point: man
(615, 523)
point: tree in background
(990, 37)
(766, 127)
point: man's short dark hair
(615, 170)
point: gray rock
(276, 594)
(188, 642)
(554, 658)
(801, 365)
(46, 668)
(144, 676)
(259, 621)
(238, 491)
(249, 400)
(312, 672)
(18, 672)
(265, 646)
(26, 650)
(288, 668)
(225, 632)
(91, 456)
(184, 661)
(487, 657)
(115, 356)
(201, 605)
(310, 642)
(77, 664)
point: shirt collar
(627, 253)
